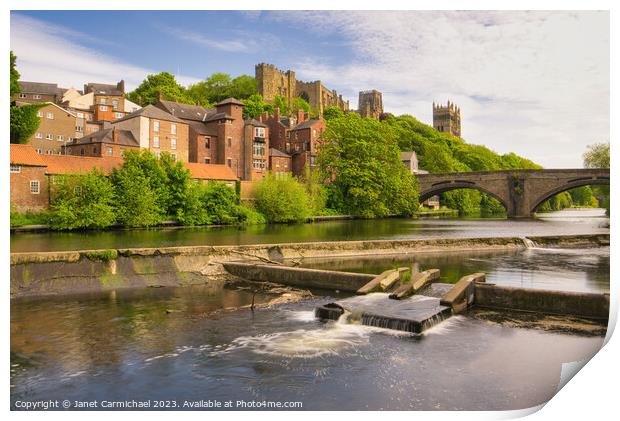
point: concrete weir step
(414, 314)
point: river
(570, 221)
(190, 344)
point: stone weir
(414, 314)
(68, 272)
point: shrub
(82, 201)
(137, 203)
(282, 199)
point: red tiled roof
(26, 155)
(69, 164)
(210, 171)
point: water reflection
(558, 269)
(581, 222)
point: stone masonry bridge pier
(520, 191)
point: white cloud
(242, 42)
(51, 53)
(536, 83)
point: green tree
(24, 122)
(280, 102)
(332, 112)
(299, 104)
(255, 106)
(243, 87)
(163, 83)
(82, 201)
(282, 199)
(14, 75)
(177, 184)
(136, 202)
(597, 156)
(361, 161)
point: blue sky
(536, 83)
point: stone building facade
(273, 81)
(57, 128)
(370, 104)
(447, 119)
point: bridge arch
(443, 187)
(572, 184)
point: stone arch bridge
(520, 191)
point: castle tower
(447, 118)
(370, 104)
(273, 81)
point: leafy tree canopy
(14, 75)
(163, 82)
(597, 156)
(24, 122)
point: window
(229, 162)
(40, 114)
(156, 141)
(80, 129)
(173, 143)
(38, 135)
(173, 128)
(277, 164)
(155, 126)
(103, 101)
(259, 132)
(103, 108)
(258, 164)
(60, 138)
(23, 95)
(94, 150)
(80, 115)
(118, 115)
(35, 187)
(50, 116)
(49, 136)
(82, 151)
(314, 133)
(259, 149)
(108, 151)
(174, 156)
(207, 160)
(229, 142)
(16, 168)
(49, 152)
(207, 142)
(39, 151)
(36, 96)
(115, 104)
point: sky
(533, 83)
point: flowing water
(191, 344)
(589, 221)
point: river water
(190, 344)
(569, 221)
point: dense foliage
(24, 122)
(282, 199)
(597, 156)
(162, 83)
(220, 86)
(360, 160)
(14, 74)
(82, 201)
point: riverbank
(66, 272)
(178, 225)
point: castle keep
(273, 81)
(370, 104)
(447, 118)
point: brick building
(280, 163)
(32, 174)
(57, 128)
(303, 139)
(29, 183)
(110, 141)
(221, 136)
(99, 102)
(157, 131)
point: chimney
(115, 135)
(121, 86)
(300, 116)
(276, 113)
(158, 96)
